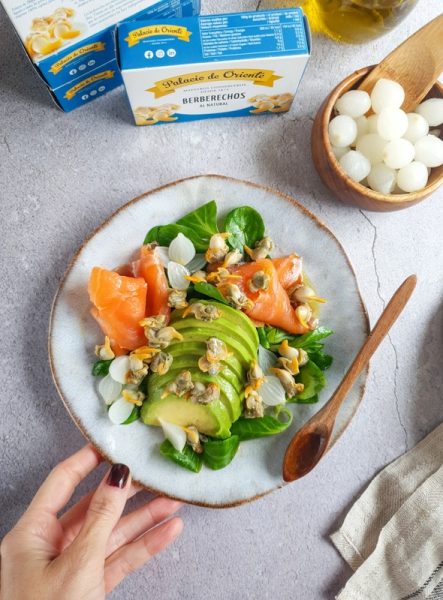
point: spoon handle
(416, 64)
(378, 333)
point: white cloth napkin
(393, 535)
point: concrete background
(62, 174)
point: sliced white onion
(272, 391)
(119, 368)
(109, 389)
(162, 253)
(176, 276)
(174, 433)
(181, 250)
(197, 263)
(266, 359)
(119, 411)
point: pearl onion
(354, 103)
(372, 145)
(429, 151)
(382, 179)
(342, 131)
(362, 125)
(392, 123)
(338, 152)
(119, 368)
(413, 177)
(432, 111)
(398, 153)
(355, 165)
(386, 94)
(417, 127)
(372, 123)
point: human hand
(88, 550)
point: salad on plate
(208, 335)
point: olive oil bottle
(353, 21)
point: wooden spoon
(311, 441)
(416, 64)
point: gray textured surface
(61, 175)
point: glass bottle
(353, 21)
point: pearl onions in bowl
(400, 137)
(370, 152)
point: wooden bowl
(329, 169)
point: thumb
(104, 512)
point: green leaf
(297, 400)
(321, 359)
(263, 338)
(101, 367)
(134, 416)
(251, 429)
(199, 225)
(313, 379)
(245, 226)
(310, 342)
(203, 219)
(164, 234)
(308, 339)
(153, 235)
(276, 336)
(217, 454)
(207, 289)
(188, 459)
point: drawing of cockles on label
(275, 104)
(150, 115)
(49, 33)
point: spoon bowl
(303, 455)
(333, 176)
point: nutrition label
(256, 34)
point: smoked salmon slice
(289, 270)
(271, 306)
(119, 304)
(150, 268)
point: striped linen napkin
(393, 535)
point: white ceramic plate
(256, 469)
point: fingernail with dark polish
(118, 476)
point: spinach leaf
(134, 416)
(276, 336)
(199, 225)
(263, 338)
(207, 289)
(313, 379)
(245, 226)
(188, 459)
(164, 234)
(321, 359)
(217, 454)
(250, 429)
(297, 400)
(101, 367)
(308, 340)
(203, 219)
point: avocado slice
(215, 419)
(197, 349)
(210, 419)
(233, 340)
(190, 363)
(224, 326)
(230, 395)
